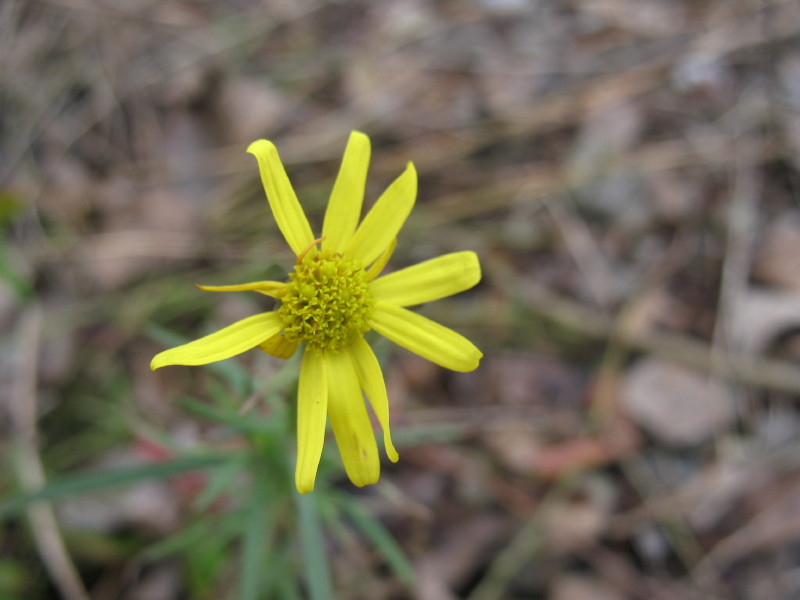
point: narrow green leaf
(22, 288)
(315, 562)
(276, 583)
(287, 589)
(219, 481)
(247, 424)
(258, 530)
(88, 482)
(384, 543)
(222, 528)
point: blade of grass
(276, 583)
(315, 562)
(249, 423)
(384, 543)
(15, 281)
(287, 589)
(219, 482)
(88, 482)
(222, 527)
(258, 529)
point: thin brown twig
(757, 371)
(28, 465)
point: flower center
(327, 303)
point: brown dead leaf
(113, 259)
(580, 587)
(677, 405)
(760, 317)
(778, 263)
(581, 453)
(533, 379)
(168, 209)
(778, 523)
(457, 555)
(515, 445)
(578, 521)
(248, 108)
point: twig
(28, 465)
(523, 547)
(758, 371)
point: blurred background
(627, 171)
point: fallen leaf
(760, 317)
(778, 262)
(579, 587)
(675, 404)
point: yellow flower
(332, 298)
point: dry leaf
(778, 263)
(675, 404)
(579, 587)
(760, 317)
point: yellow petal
(371, 381)
(344, 206)
(268, 288)
(427, 338)
(281, 197)
(429, 280)
(279, 347)
(350, 422)
(312, 403)
(230, 341)
(376, 267)
(385, 219)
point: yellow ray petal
(344, 206)
(312, 403)
(281, 197)
(376, 267)
(430, 280)
(350, 422)
(230, 341)
(268, 288)
(371, 381)
(279, 347)
(385, 219)
(427, 338)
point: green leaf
(315, 562)
(258, 530)
(222, 528)
(12, 206)
(19, 284)
(15, 579)
(247, 424)
(276, 582)
(205, 565)
(384, 543)
(219, 482)
(89, 482)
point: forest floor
(628, 172)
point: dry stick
(28, 465)
(757, 371)
(674, 525)
(523, 547)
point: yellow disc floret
(327, 303)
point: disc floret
(327, 302)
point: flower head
(332, 298)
